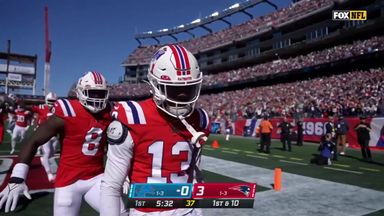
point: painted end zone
(36, 180)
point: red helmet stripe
(176, 55)
(100, 78)
(97, 77)
(94, 77)
(186, 59)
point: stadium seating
(335, 53)
(142, 54)
(351, 94)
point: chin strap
(194, 170)
(196, 136)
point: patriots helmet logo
(159, 53)
(246, 190)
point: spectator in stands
(285, 129)
(342, 128)
(265, 129)
(326, 150)
(362, 130)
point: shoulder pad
(116, 133)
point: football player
(44, 111)
(21, 125)
(155, 141)
(81, 124)
(10, 103)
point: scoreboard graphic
(200, 195)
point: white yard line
(293, 162)
(229, 152)
(255, 156)
(369, 169)
(343, 170)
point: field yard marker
(343, 170)
(341, 165)
(369, 169)
(278, 156)
(249, 152)
(262, 154)
(255, 156)
(229, 152)
(277, 185)
(293, 162)
(236, 150)
(225, 148)
(293, 158)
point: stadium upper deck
(302, 28)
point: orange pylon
(277, 185)
(215, 144)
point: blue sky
(98, 35)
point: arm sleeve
(116, 169)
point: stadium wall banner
(314, 128)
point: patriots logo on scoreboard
(243, 189)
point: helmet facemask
(95, 100)
(176, 99)
(92, 92)
(50, 99)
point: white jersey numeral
(20, 118)
(156, 149)
(92, 141)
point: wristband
(20, 170)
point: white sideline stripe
(343, 170)
(293, 162)
(249, 152)
(293, 158)
(229, 152)
(237, 150)
(255, 156)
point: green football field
(348, 170)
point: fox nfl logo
(349, 15)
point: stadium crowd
(335, 53)
(351, 94)
(142, 54)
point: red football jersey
(82, 143)
(161, 152)
(43, 112)
(21, 117)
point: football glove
(10, 195)
(126, 186)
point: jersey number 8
(92, 141)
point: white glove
(126, 186)
(11, 195)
